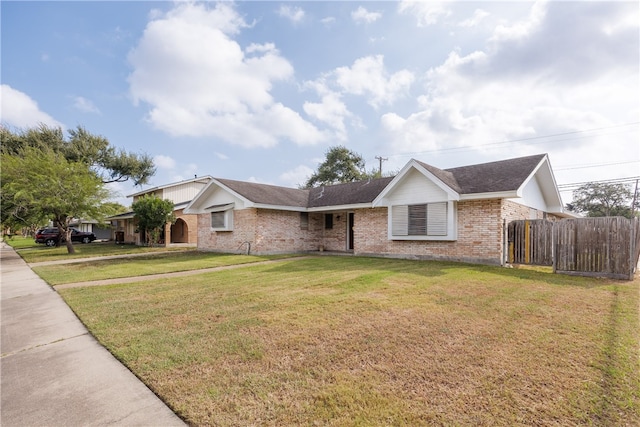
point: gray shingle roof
(349, 193)
(503, 175)
(268, 194)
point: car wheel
(86, 240)
(50, 242)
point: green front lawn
(34, 252)
(143, 265)
(362, 341)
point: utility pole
(382, 159)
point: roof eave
(452, 194)
(173, 184)
(332, 208)
(513, 194)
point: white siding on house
(217, 197)
(183, 192)
(532, 196)
(416, 188)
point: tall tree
(340, 165)
(104, 160)
(66, 175)
(602, 199)
(152, 214)
(44, 184)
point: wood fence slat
(608, 246)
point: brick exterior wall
(479, 236)
(480, 233)
(268, 231)
(191, 222)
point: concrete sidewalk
(53, 372)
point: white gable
(214, 195)
(414, 184)
(540, 190)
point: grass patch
(19, 242)
(361, 341)
(39, 253)
(143, 265)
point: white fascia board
(495, 195)
(452, 195)
(173, 184)
(276, 207)
(332, 208)
(340, 207)
(192, 207)
(547, 182)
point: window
(217, 219)
(423, 220)
(222, 217)
(328, 221)
(304, 220)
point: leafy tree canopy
(602, 199)
(107, 162)
(340, 165)
(42, 184)
(152, 214)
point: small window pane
(437, 219)
(304, 220)
(217, 219)
(418, 220)
(328, 221)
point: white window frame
(440, 222)
(227, 215)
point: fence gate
(607, 247)
(531, 242)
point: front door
(350, 218)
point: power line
(471, 147)
(594, 165)
(572, 186)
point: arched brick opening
(180, 232)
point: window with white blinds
(428, 219)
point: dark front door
(350, 231)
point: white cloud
(362, 15)
(199, 82)
(426, 12)
(294, 14)
(296, 177)
(221, 156)
(331, 111)
(164, 162)
(554, 72)
(478, 15)
(328, 21)
(85, 105)
(368, 76)
(21, 111)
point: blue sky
(259, 91)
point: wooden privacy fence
(531, 242)
(607, 247)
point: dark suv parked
(51, 236)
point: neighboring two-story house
(184, 230)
